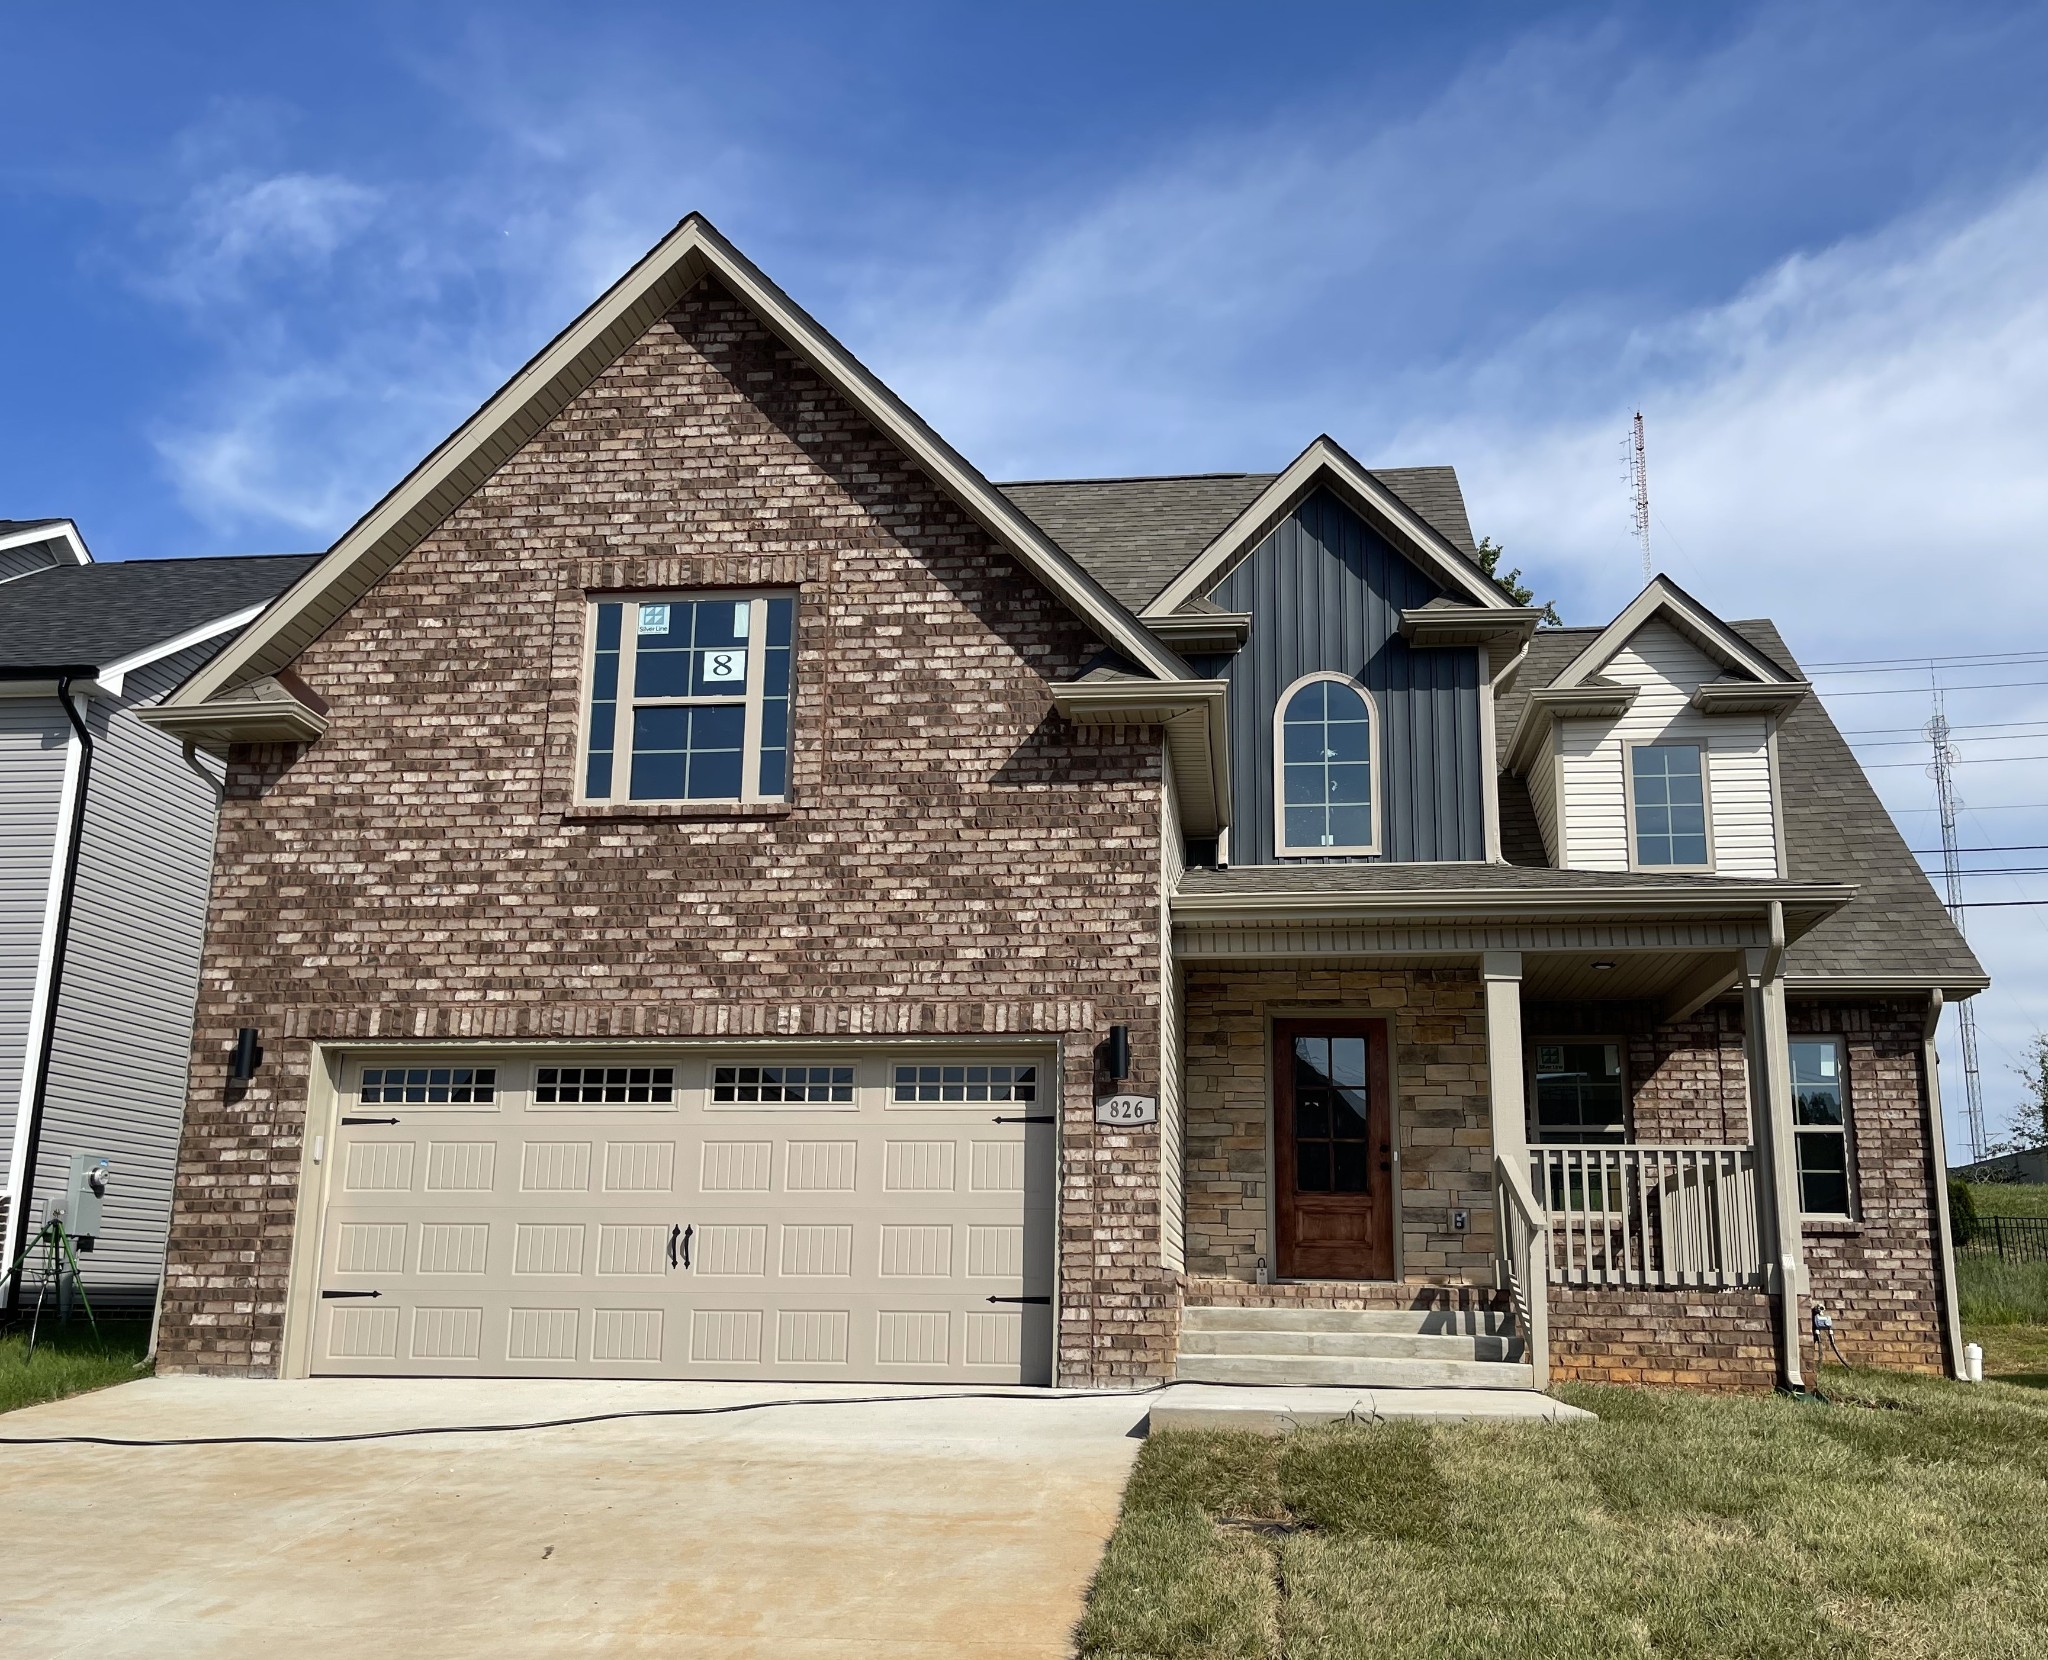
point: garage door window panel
(687, 698)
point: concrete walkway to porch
(1280, 1410)
(947, 1526)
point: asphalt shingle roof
(77, 616)
(1135, 535)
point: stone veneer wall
(957, 859)
(1438, 1059)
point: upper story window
(1668, 806)
(1324, 753)
(1820, 1124)
(687, 698)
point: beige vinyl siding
(1172, 1176)
(1543, 796)
(124, 1025)
(1668, 669)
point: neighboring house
(106, 849)
(696, 851)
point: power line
(1917, 735)
(1917, 665)
(2007, 738)
(1987, 760)
(2013, 847)
(1974, 686)
(1998, 807)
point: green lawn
(2010, 1198)
(68, 1361)
(1902, 1520)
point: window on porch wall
(1580, 1092)
(1820, 1125)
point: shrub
(1962, 1211)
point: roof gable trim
(568, 364)
(1664, 601)
(1326, 464)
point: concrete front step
(1278, 1411)
(1416, 1321)
(1367, 1345)
(1352, 1371)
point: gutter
(1937, 1157)
(30, 1143)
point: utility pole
(1639, 486)
(1942, 771)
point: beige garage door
(800, 1216)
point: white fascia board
(576, 356)
(1738, 899)
(58, 530)
(40, 1013)
(1325, 461)
(1665, 598)
(110, 677)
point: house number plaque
(1127, 1109)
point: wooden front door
(1333, 1150)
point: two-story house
(699, 860)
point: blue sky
(258, 260)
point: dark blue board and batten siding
(1325, 591)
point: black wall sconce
(1119, 1053)
(248, 1055)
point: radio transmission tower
(1942, 771)
(1639, 486)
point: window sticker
(1827, 1062)
(1550, 1057)
(726, 666)
(742, 614)
(654, 619)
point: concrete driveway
(956, 1527)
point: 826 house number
(1127, 1109)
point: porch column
(1502, 973)
(1770, 1108)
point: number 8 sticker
(724, 667)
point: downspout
(1937, 1151)
(32, 1134)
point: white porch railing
(1649, 1216)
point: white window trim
(1281, 847)
(1844, 1130)
(752, 699)
(1628, 794)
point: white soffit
(1325, 462)
(569, 363)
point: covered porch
(1486, 1107)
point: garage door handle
(1039, 1118)
(329, 1296)
(369, 1121)
(687, 1232)
(1020, 1299)
(674, 1234)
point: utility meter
(83, 1194)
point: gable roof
(1664, 601)
(1138, 534)
(61, 535)
(94, 616)
(1325, 465)
(1895, 929)
(691, 252)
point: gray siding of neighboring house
(36, 556)
(1325, 591)
(131, 979)
(32, 747)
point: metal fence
(2013, 1238)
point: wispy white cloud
(233, 231)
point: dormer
(1654, 748)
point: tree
(2030, 1117)
(1490, 553)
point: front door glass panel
(1330, 1114)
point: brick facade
(956, 858)
(1877, 1276)
(1438, 1058)
(1696, 1339)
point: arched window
(1324, 754)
